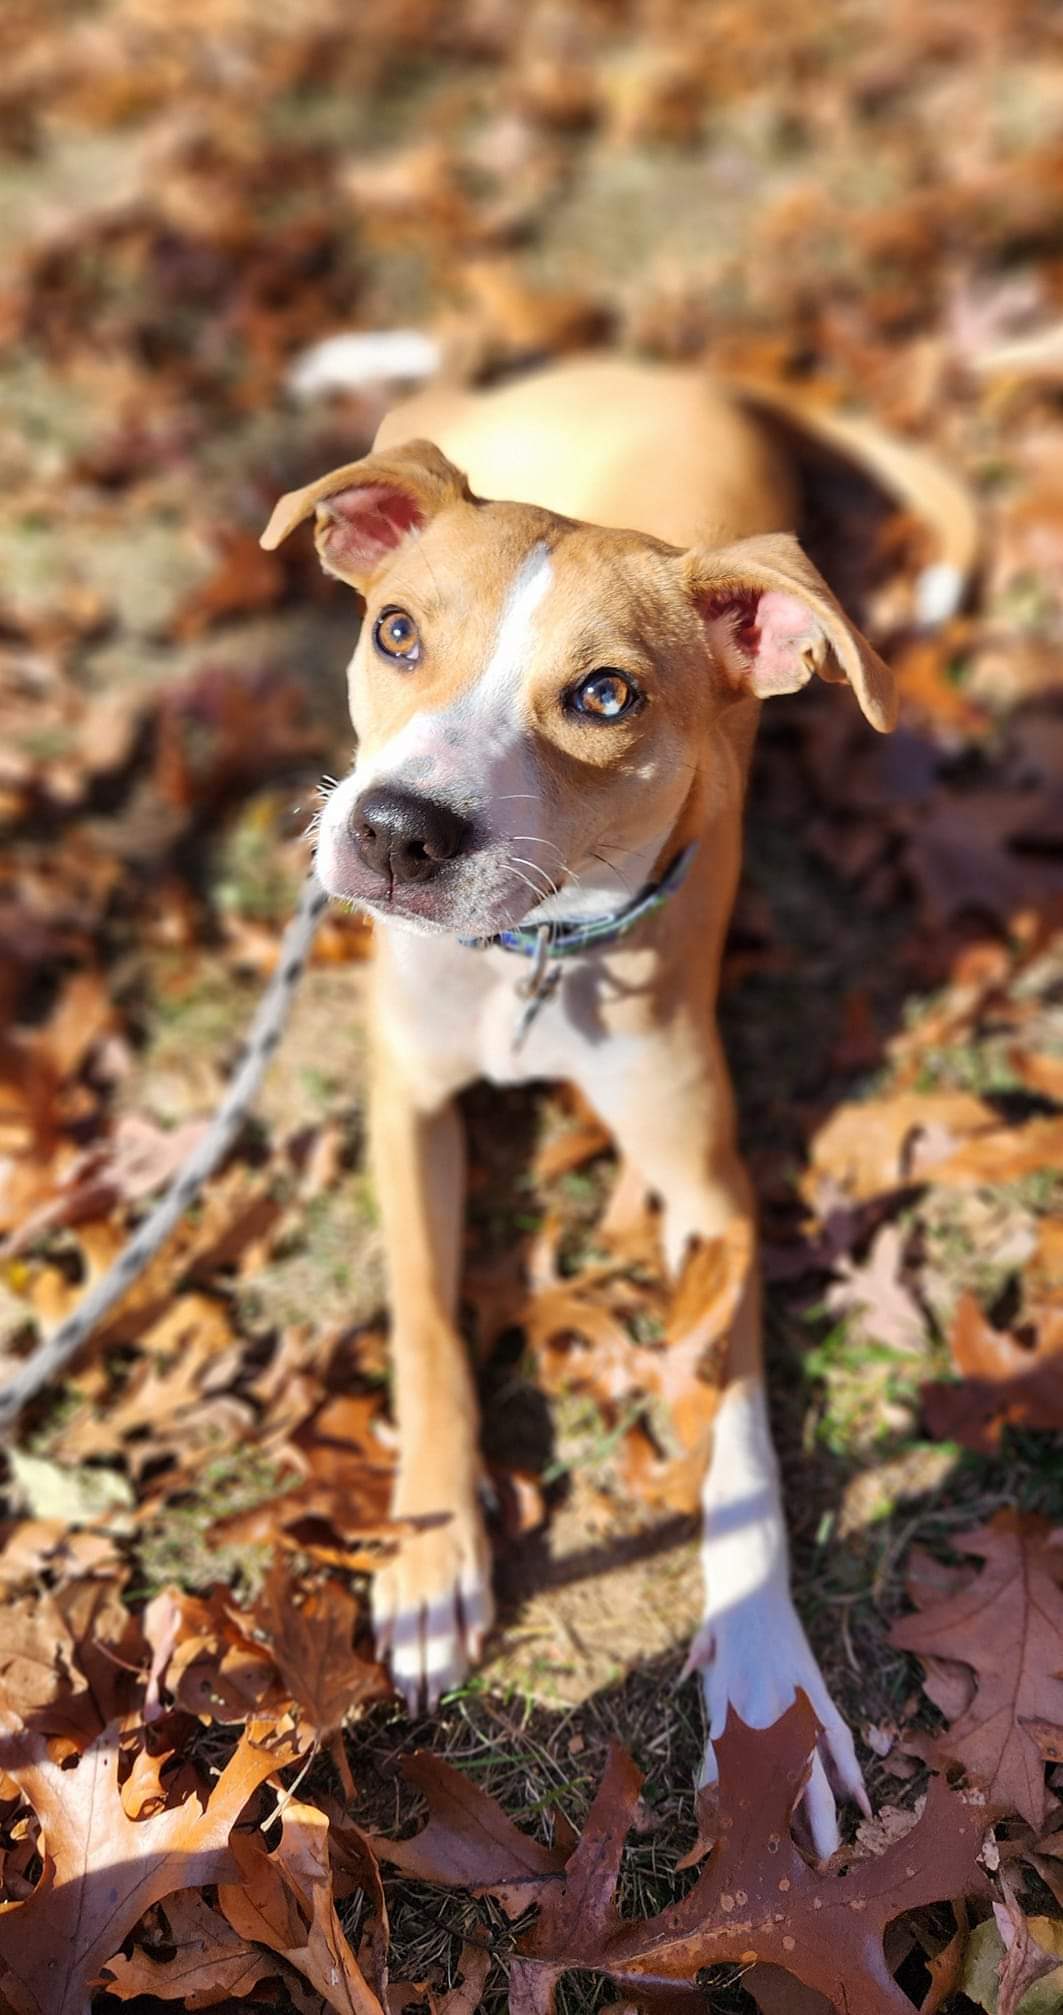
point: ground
(189, 196)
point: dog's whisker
(614, 870)
(537, 868)
(528, 883)
(517, 862)
(552, 888)
(535, 840)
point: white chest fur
(454, 1013)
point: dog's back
(646, 447)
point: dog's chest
(465, 1014)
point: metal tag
(539, 987)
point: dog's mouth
(434, 864)
(474, 897)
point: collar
(550, 941)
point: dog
(579, 588)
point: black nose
(404, 836)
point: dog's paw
(432, 1607)
(754, 1656)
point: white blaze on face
(495, 698)
(459, 751)
(474, 752)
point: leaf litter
(194, 1727)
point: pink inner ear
(786, 629)
(765, 638)
(366, 522)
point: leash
(266, 1030)
(549, 945)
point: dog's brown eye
(396, 635)
(605, 695)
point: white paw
(753, 1656)
(432, 1608)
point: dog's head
(538, 702)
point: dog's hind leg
(432, 1602)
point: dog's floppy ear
(772, 621)
(366, 509)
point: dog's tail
(362, 358)
(909, 473)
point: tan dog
(555, 698)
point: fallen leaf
(1043, 1072)
(966, 854)
(474, 1965)
(102, 1870)
(981, 1977)
(778, 1993)
(872, 1288)
(284, 1900)
(312, 1644)
(1007, 1625)
(210, 1963)
(581, 1343)
(879, 1144)
(468, 1843)
(757, 1899)
(1005, 1154)
(1033, 1946)
(80, 1496)
(1003, 1381)
(204, 1655)
(139, 1158)
(185, 1357)
(945, 1966)
(245, 580)
(36, 1656)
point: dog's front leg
(432, 1603)
(673, 1117)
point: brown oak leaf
(756, 1899)
(878, 1144)
(474, 1965)
(36, 1656)
(468, 1843)
(285, 1900)
(1005, 1155)
(244, 580)
(778, 1993)
(1007, 1625)
(102, 1870)
(311, 1643)
(1003, 1380)
(204, 1657)
(210, 1963)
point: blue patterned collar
(547, 945)
(562, 940)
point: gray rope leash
(266, 1030)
